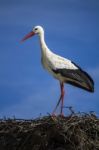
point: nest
(73, 132)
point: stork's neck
(43, 45)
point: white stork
(61, 68)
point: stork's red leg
(61, 98)
(57, 105)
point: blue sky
(71, 30)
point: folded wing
(76, 77)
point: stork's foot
(53, 114)
(62, 115)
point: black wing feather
(77, 77)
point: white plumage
(61, 68)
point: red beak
(28, 36)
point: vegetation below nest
(73, 132)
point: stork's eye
(36, 28)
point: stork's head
(36, 30)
